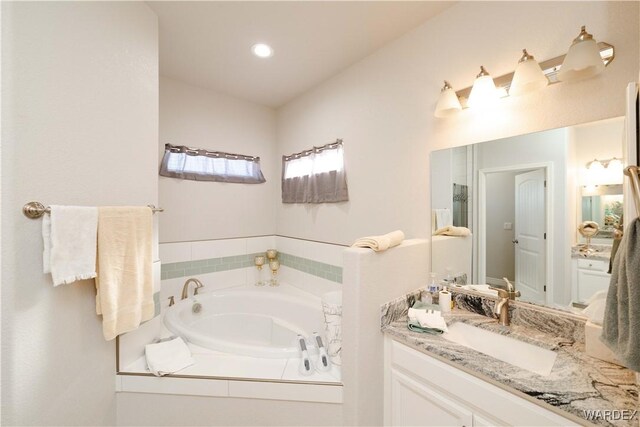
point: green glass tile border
(212, 265)
(309, 266)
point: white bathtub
(250, 321)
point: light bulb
(528, 76)
(583, 59)
(448, 102)
(483, 93)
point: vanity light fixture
(448, 102)
(583, 59)
(518, 82)
(604, 172)
(262, 50)
(528, 76)
(484, 92)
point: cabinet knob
(515, 241)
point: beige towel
(380, 243)
(453, 231)
(124, 284)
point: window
(202, 165)
(315, 176)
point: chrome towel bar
(35, 210)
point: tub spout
(185, 288)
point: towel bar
(35, 210)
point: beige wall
(80, 126)
(383, 106)
(197, 210)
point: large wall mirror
(523, 199)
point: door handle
(515, 241)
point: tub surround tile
(576, 383)
(326, 253)
(330, 272)
(175, 252)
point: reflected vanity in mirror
(523, 199)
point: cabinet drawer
(592, 264)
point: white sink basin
(521, 354)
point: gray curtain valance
(203, 165)
(315, 176)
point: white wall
(383, 106)
(198, 210)
(501, 208)
(80, 126)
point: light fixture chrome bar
(550, 69)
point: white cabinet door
(414, 404)
(590, 282)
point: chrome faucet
(501, 308)
(185, 288)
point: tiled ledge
(212, 265)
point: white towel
(431, 319)
(380, 243)
(168, 357)
(69, 234)
(450, 230)
(443, 218)
(595, 307)
(124, 286)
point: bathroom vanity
(542, 377)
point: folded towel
(69, 235)
(380, 243)
(168, 357)
(622, 311)
(432, 320)
(450, 230)
(414, 326)
(443, 218)
(124, 284)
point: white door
(529, 242)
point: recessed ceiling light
(262, 50)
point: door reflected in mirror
(523, 198)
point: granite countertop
(601, 253)
(576, 383)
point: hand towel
(124, 286)
(453, 231)
(380, 243)
(432, 320)
(167, 357)
(443, 218)
(69, 235)
(622, 311)
(414, 326)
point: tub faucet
(185, 288)
(501, 308)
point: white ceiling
(208, 43)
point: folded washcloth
(450, 230)
(432, 319)
(69, 234)
(168, 357)
(414, 326)
(622, 311)
(380, 243)
(124, 284)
